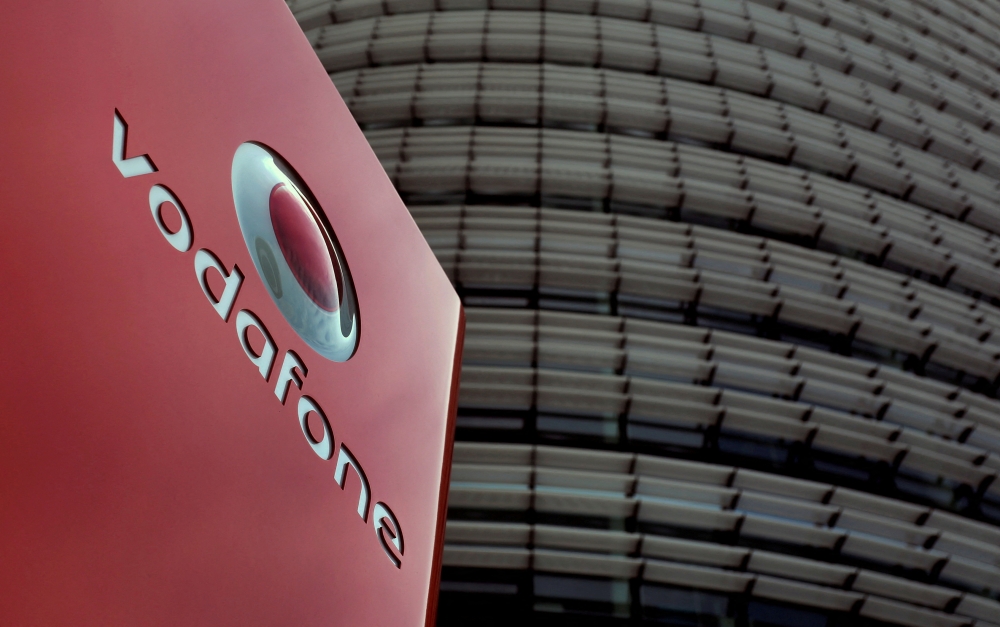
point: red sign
(231, 360)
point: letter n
(345, 459)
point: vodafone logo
(299, 260)
(295, 251)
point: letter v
(128, 167)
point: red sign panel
(231, 360)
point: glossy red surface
(304, 246)
(148, 473)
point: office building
(732, 277)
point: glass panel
(604, 590)
(662, 435)
(693, 608)
(606, 429)
(761, 614)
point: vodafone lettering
(296, 253)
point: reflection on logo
(295, 251)
(268, 266)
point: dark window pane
(768, 615)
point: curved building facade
(732, 276)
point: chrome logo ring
(295, 251)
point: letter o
(181, 240)
(323, 448)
